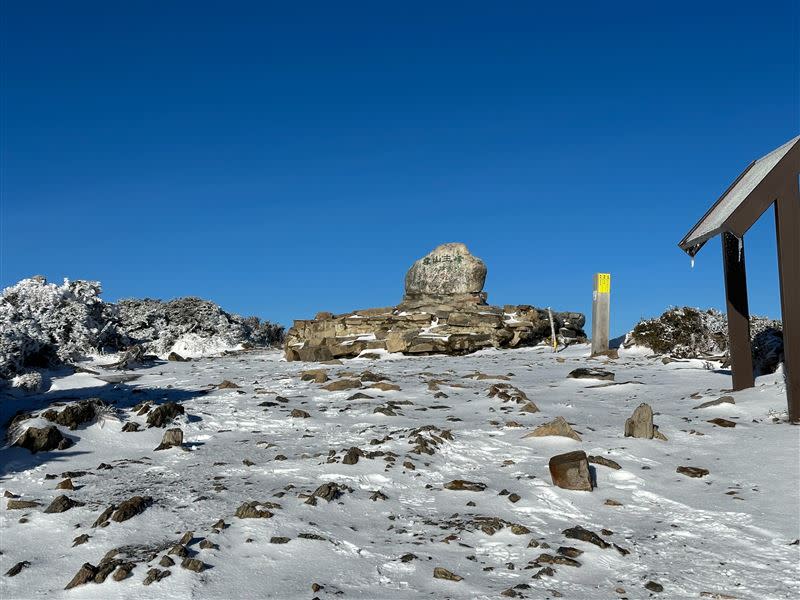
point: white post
(601, 314)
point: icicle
(693, 262)
(741, 248)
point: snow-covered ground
(726, 535)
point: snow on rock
(360, 498)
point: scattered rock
(17, 568)
(654, 587)
(130, 426)
(123, 571)
(227, 385)
(13, 504)
(81, 539)
(279, 540)
(327, 491)
(163, 414)
(84, 575)
(154, 575)
(586, 373)
(557, 426)
(640, 424)
(442, 573)
(66, 484)
(606, 462)
(352, 456)
(717, 402)
(463, 485)
(692, 471)
(720, 422)
(585, 535)
(299, 414)
(342, 384)
(166, 562)
(193, 564)
(571, 471)
(130, 508)
(174, 356)
(172, 437)
(250, 510)
(62, 504)
(79, 413)
(43, 439)
(315, 375)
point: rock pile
(443, 311)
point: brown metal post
(738, 311)
(787, 226)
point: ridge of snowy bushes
(44, 325)
(684, 332)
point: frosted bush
(30, 382)
(44, 324)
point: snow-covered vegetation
(694, 333)
(44, 325)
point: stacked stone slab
(444, 311)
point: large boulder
(443, 311)
(449, 269)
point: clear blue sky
(282, 158)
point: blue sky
(285, 158)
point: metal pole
(601, 317)
(787, 226)
(738, 311)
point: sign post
(601, 313)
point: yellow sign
(604, 283)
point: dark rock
(13, 504)
(352, 456)
(42, 439)
(299, 414)
(104, 516)
(692, 471)
(569, 551)
(584, 373)
(166, 562)
(327, 491)
(62, 504)
(606, 462)
(154, 575)
(17, 568)
(130, 426)
(640, 424)
(130, 508)
(193, 564)
(66, 484)
(81, 539)
(123, 571)
(227, 385)
(463, 485)
(720, 422)
(717, 402)
(654, 587)
(172, 437)
(163, 414)
(442, 573)
(571, 471)
(79, 413)
(342, 384)
(279, 540)
(84, 575)
(585, 535)
(174, 356)
(250, 510)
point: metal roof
(721, 215)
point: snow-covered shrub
(683, 333)
(693, 333)
(43, 324)
(197, 326)
(31, 381)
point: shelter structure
(770, 180)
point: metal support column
(738, 311)
(787, 225)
